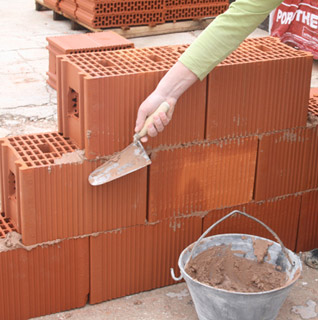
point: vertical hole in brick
(45, 148)
(73, 108)
(154, 58)
(105, 63)
(263, 48)
(12, 185)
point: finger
(164, 118)
(152, 132)
(141, 118)
(144, 139)
(158, 124)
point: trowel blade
(130, 159)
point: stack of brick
(193, 9)
(122, 13)
(54, 4)
(88, 42)
(68, 7)
(238, 139)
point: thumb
(141, 118)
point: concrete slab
(175, 303)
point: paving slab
(175, 303)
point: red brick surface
(55, 201)
(313, 101)
(176, 13)
(201, 177)
(308, 223)
(44, 280)
(263, 86)
(68, 7)
(76, 43)
(138, 258)
(110, 87)
(287, 163)
(281, 215)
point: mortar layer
(219, 267)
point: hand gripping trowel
(132, 158)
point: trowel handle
(164, 107)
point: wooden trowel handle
(164, 107)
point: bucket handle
(292, 263)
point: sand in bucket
(225, 283)
(222, 268)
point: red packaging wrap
(295, 22)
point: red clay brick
(109, 85)
(127, 19)
(263, 86)
(203, 177)
(287, 163)
(308, 223)
(51, 201)
(54, 4)
(313, 101)
(188, 12)
(281, 215)
(76, 43)
(102, 7)
(44, 280)
(138, 258)
(68, 8)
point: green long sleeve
(225, 34)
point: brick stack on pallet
(54, 4)
(87, 42)
(123, 13)
(238, 139)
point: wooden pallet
(132, 32)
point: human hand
(148, 107)
(178, 79)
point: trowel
(132, 158)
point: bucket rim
(290, 282)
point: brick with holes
(287, 162)
(76, 43)
(46, 192)
(99, 94)
(195, 11)
(43, 279)
(262, 86)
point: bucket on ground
(218, 304)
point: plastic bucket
(217, 304)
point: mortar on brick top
(267, 88)
(88, 42)
(52, 196)
(110, 86)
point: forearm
(176, 81)
(225, 34)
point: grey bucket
(217, 304)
